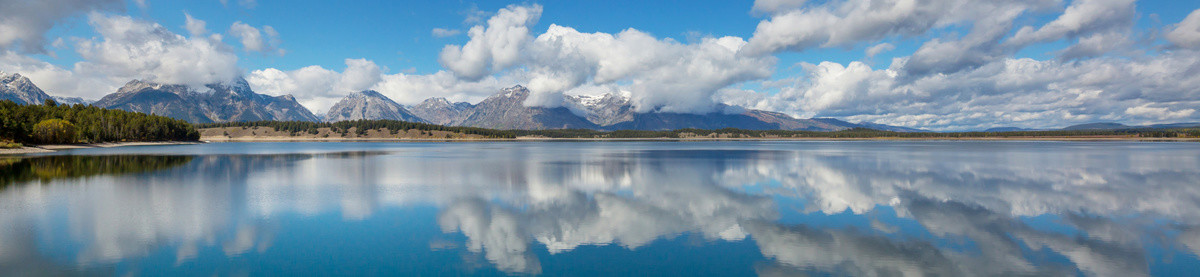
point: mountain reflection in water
(848, 208)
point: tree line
(53, 123)
(360, 127)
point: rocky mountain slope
(604, 110)
(506, 110)
(19, 89)
(440, 111)
(614, 112)
(369, 104)
(218, 102)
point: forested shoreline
(362, 126)
(51, 123)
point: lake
(874, 208)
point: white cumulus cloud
(253, 39)
(23, 24)
(195, 27)
(128, 49)
(138, 49)
(443, 32)
(660, 74)
(319, 88)
(1187, 33)
(494, 47)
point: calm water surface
(606, 208)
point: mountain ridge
(438, 110)
(222, 102)
(20, 89)
(369, 104)
(506, 110)
(236, 101)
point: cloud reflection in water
(962, 208)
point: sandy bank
(57, 147)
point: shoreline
(1082, 138)
(50, 148)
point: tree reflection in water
(45, 168)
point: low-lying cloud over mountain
(932, 64)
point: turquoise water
(605, 208)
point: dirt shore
(435, 138)
(57, 147)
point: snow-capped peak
(514, 91)
(592, 101)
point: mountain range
(217, 102)
(1100, 126)
(506, 110)
(236, 101)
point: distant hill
(672, 121)
(883, 127)
(1008, 129)
(222, 102)
(1119, 126)
(1098, 126)
(1175, 125)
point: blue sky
(396, 34)
(818, 64)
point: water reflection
(875, 209)
(19, 169)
